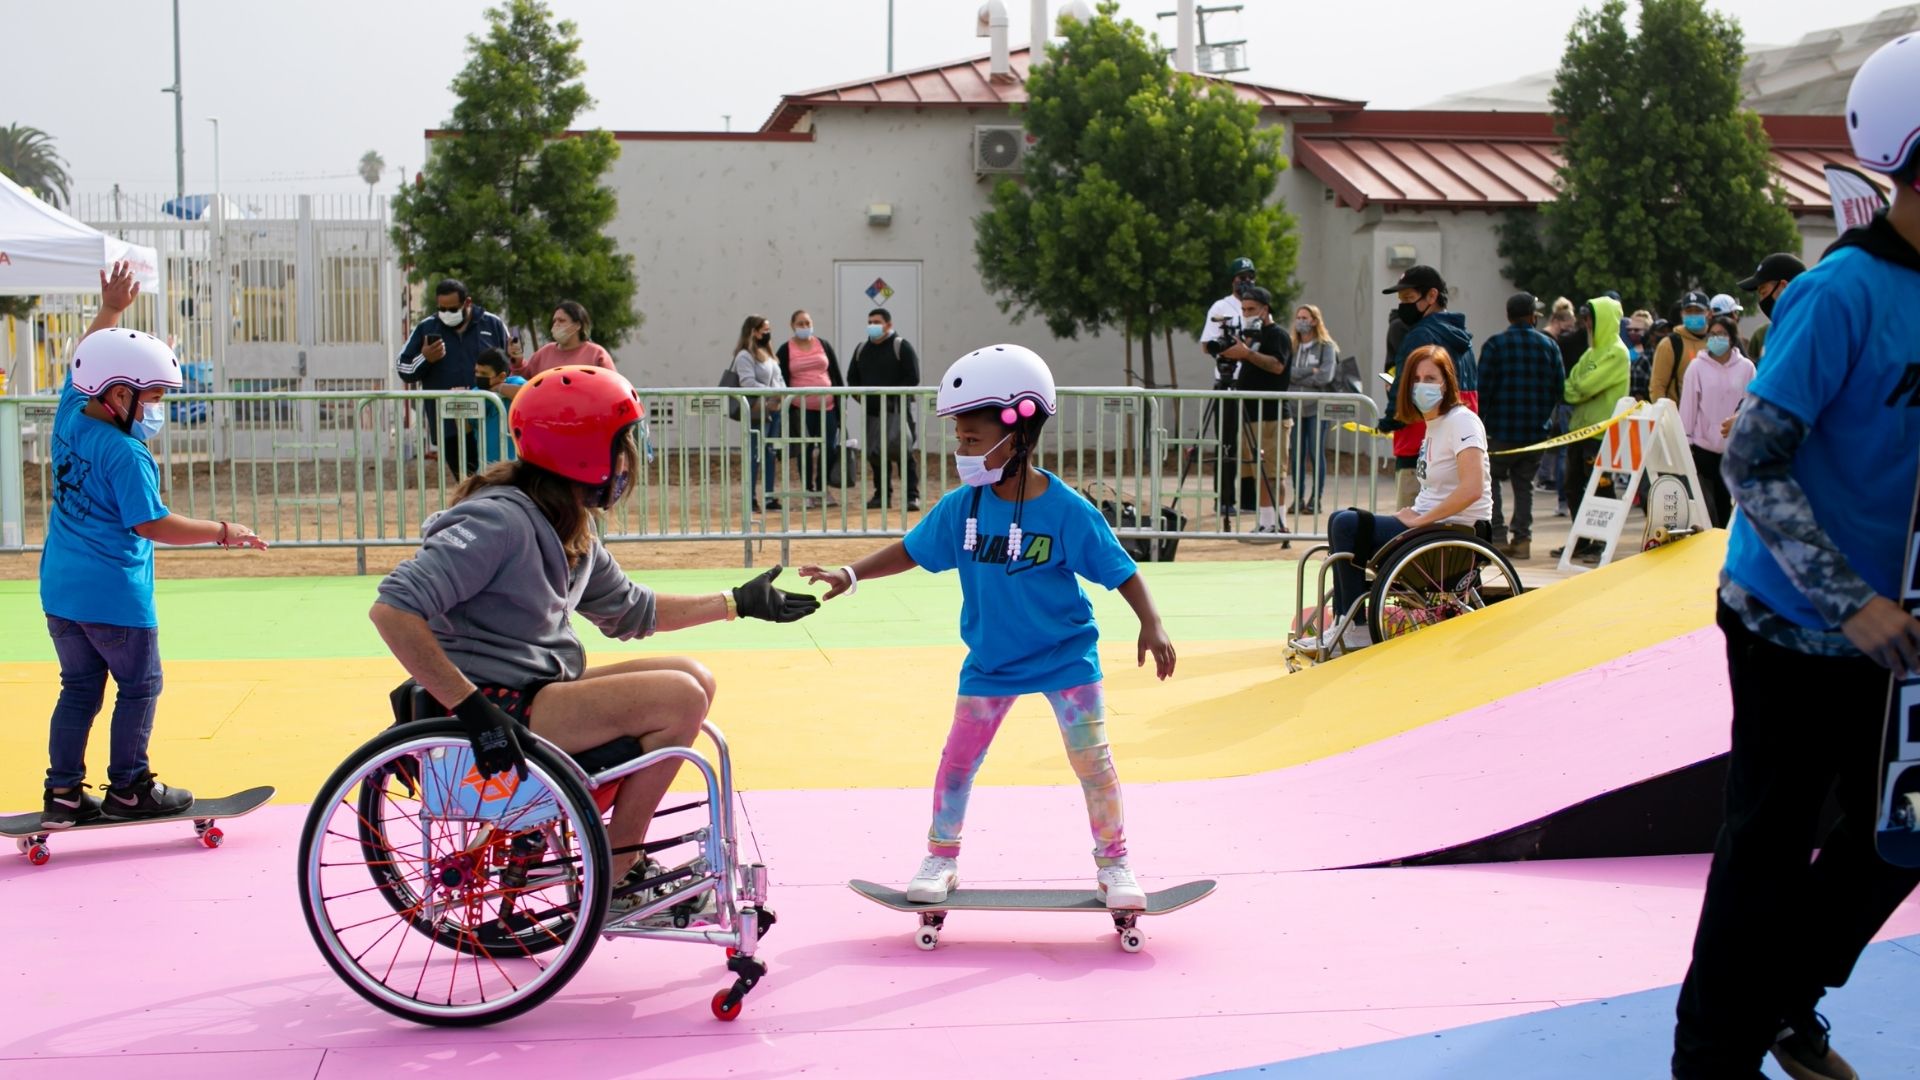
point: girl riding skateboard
(1018, 536)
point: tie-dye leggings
(1081, 711)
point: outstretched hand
(118, 288)
(758, 599)
(837, 580)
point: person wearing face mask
(1316, 364)
(1265, 357)
(1675, 352)
(572, 332)
(1595, 385)
(1422, 293)
(1020, 539)
(755, 366)
(439, 355)
(96, 571)
(1769, 280)
(1716, 384)
(807, 360)
(494, 372)
(1639, 357)
(886, 359)
(481, 616)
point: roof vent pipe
(992, 23)
(1037, 36)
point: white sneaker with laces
(1118, 889)
(938, 875)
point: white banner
(1855, 198)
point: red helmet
(567, 420)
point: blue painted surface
(1876, 1026)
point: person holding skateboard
(1822, 462)
(1018, 537)
(96, 573)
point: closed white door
(859, 287)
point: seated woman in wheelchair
(1455, 489)
(481, 616)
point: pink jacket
(1710, 393)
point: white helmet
(1883, 119)
(1004, 375)
(1722, 304)
(120, 357)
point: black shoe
(873, 503)
(145, 798)
(772, 503)
(64, 810)
(1802, 1049)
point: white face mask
(561, 332)
(1426, 397)
(452, 318)
(973, 469)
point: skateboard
(1898, 837)
(1669, 511)
(1125, 922)
(1662, 536)
(31, 839)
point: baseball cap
(1520, 305)
(1241, 265)
(1418, 277)
(1258, 295)
(1694, 298)
(1778, 266)
(1722, 304)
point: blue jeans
(1307, 456)
(1343, 534)
(88, 653)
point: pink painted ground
(197, 963)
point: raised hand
(118, 288)
(837, 580)
(758, 599)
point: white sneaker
(1356, 637)
(1118, 889)
(1315, 645)
(938, 875)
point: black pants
(1519, 469)
(1713, 490)
(885, 429)
(1573, 483)
(1778, 925)
(1227, 465)
(460, 447)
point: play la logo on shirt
(1036, 549)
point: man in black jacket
(1265, 356)
(887, 359)
(439, 355)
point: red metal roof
(1492, 161)
(969, 84)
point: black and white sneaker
(65, 809)
(146, 797)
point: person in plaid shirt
(1521, 380)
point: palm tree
(371, 166)
(28, 158)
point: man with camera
(1256, 358)
(1222, 330)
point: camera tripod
(1210, 420)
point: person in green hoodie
(1598, 380)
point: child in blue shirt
(1018, 537)
(492, 371)
(96, 574)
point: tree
(28, 158)
(1666, 183)
(371, 166)
(510, 200)
(1140, 185)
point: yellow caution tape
(1570, 437)
(1365, 430)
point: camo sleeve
(1758, 471)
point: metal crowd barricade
(358, 469)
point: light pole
(222, 310)
(889, 37)
(179, 122)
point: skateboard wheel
(1132, 941)
(21, 845)
(723, 1011)
(37, 854)
(927, 938)
(213, 837)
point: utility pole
(889, 36)
(179, 121)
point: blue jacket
(1447, 329)
(481, 331)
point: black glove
(1388, 425)
(494, 735)
(758, 599)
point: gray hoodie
(492, 580)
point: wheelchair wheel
(446, 898)
(1434, 581)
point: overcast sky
(304, 87)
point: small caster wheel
(21, 845)
(37, 854)
(723, 1011)
(1132, 941)
(213, 837)
(927, 938)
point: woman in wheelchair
(1455, 490)
(480, 617)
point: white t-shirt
(1228, 307)
(1439, 466)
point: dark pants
(1227, 465)
(88, 653)
(460, 447)
(1778, 924)
(1519, 469)
(1580, 457)
(886, 429)
(762, 457)
(1713, 490)
(1309, 463)
(822, 428)
(1343, 534)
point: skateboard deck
(31, 838)
(1898, 835)
(933, 916)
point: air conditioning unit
(999, 148)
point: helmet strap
(122, 420)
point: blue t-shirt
(1027, 623)
(494, 444)
(1843, 357)
(95, 568)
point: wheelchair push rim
(450, 912)
(1432, 582)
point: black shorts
(515, 702)
(518, 702)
